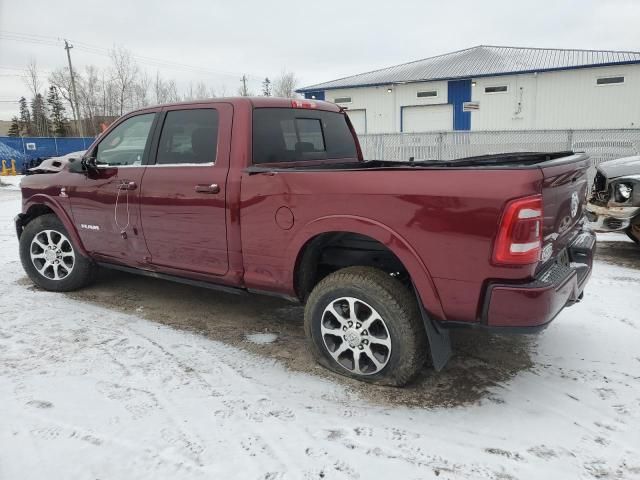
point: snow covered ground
(11, 182)
(88, 391)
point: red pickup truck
(272, 195)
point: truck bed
(505, 160)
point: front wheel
(365, 324)
(50, 258)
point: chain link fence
(601, 145)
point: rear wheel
(365, 324)
(50, 258)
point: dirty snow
(614, 237)
(92, 392)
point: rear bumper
(530, 307)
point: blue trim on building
(520, 72)
(458, 92)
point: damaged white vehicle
(615, 199)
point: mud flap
(439, 341)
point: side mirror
(76, 165)
(83, 165)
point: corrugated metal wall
(567, 99)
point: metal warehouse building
(493, 88)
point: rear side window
(188, 136)
(294, 135)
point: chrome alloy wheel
(52, 254)
(356, 336)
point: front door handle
(126, 185)
(213, 188)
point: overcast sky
(318, 40)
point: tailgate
(564, 196)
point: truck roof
(256, 102)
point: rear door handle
(126, 185)
(213, 188)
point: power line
(88, 48)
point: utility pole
(68, 47)
(244, 85)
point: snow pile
(261, 338)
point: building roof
(482, 61)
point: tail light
(303, 104)
(519, 240)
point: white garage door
(358, 119)
(427, 118)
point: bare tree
(202, 92)
(61, 79)
(32, 78)
(88, 92)
(141, 90)
(125, 72)
(159, 89)
(285, 85)
(172, 91)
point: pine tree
(266, 87)
(59, 120)
(39, 116)
(14, 129)
(26, 127)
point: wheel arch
(39, 205)
(304, 251)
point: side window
(293, 135)
(188, 136)
(125, 144)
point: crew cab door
(104, 202)
(182, 199)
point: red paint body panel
(441, 223)
(186, 229)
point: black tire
(392, 301)
(82, 271)
(633, 232)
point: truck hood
(620, 167)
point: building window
(342, 100)
(497, 89)
(609, 80)
(427, 93)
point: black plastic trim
(439, 340)
(19, 221)
(174, 278)
(196, 283)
